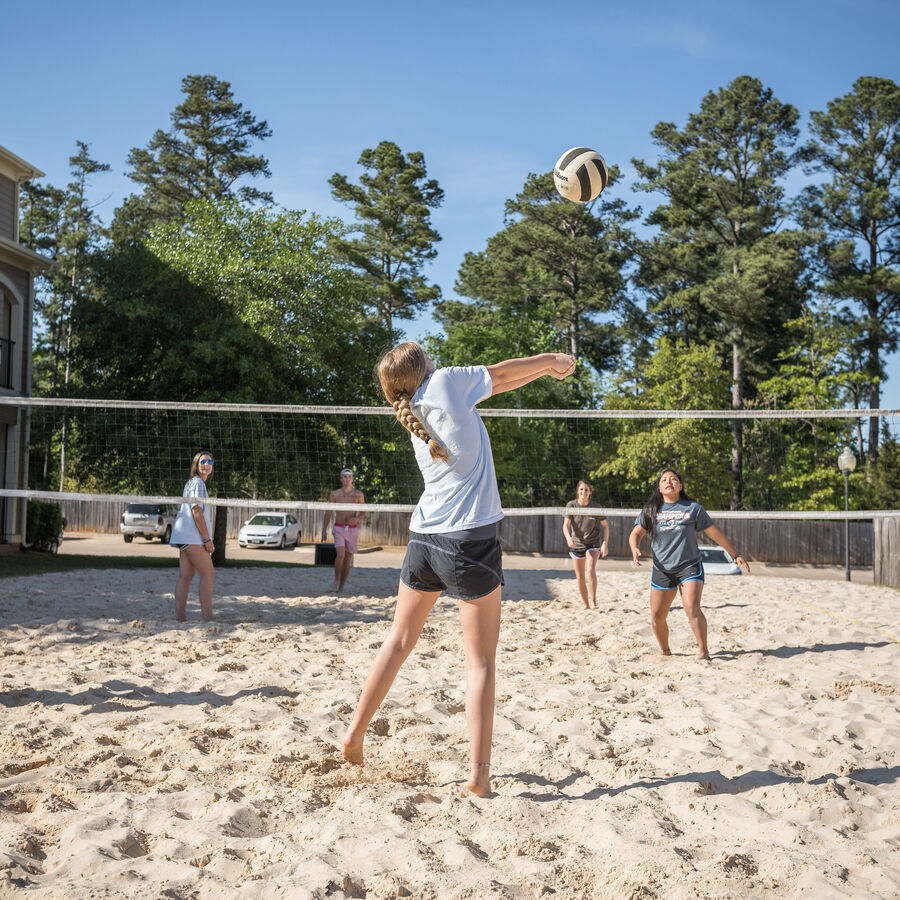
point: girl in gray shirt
(672, 520)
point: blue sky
(488, 91)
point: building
(18, 266)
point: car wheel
(166, 537)
(283, 543)
(128, 538)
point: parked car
(717, 561)
(270, 529)
(147, 520)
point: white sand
(143, 759)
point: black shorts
(467, 564)
(582, 552)
(666, 581)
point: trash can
(325, 555)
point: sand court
(140, 758)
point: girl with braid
(453, 542)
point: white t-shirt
(461, 493)
(185, 530)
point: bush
(44, 525)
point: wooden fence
(887, 551)
(789, 541)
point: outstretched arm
(514, 373)
(716, 534)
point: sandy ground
(140, 758)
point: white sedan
(270, 529)
(717, 561)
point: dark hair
(655, 501)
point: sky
(488, 91)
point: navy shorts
(666, 581)
(467, 564)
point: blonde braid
(407, 418)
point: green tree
(392, 204)
(856, 144)
(676, 377)
(549, 280)
(271, 268)
(206, 154)
(720, 254)
(816, 371)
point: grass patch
(31, 563)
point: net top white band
(811, 515)
(75, 403)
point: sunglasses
(206, 462)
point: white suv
(147, 520)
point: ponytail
(401, 371)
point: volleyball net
(290, 457)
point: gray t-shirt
(675, 543)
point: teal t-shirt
(675, 543)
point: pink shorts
(346, 536)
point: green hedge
(44, 525)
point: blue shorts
(667, 581)
(467, 564)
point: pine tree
(392, 203)
(205, 155)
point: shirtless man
(346, 528)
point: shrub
(44, 525)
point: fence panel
(787, 542)
(887, 552)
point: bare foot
(335, 587)
(480, 782)
(666, 652)
(353, 753)
(703, 657)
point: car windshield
(266, 520)
(714, 555)
(144, 509)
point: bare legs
(191, 560)
(660, 601)
(691, 592)
(342, 563)
(480, 621)
(409, 618)
(586, 574)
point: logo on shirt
(675, 518)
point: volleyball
(580, 174)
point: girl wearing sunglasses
(192, 535)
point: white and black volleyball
(580, 174)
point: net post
(220, 533)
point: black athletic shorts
(665, 581)
(582, 552)
(467, 564)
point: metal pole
(847, 523)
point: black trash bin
(325, 555)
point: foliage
(44, 524)
(271, 269)
(550, 280)
(720, 255)
(392, 204)
(856, 144)
(204, 155)
(676, 377)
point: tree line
(728, 291)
